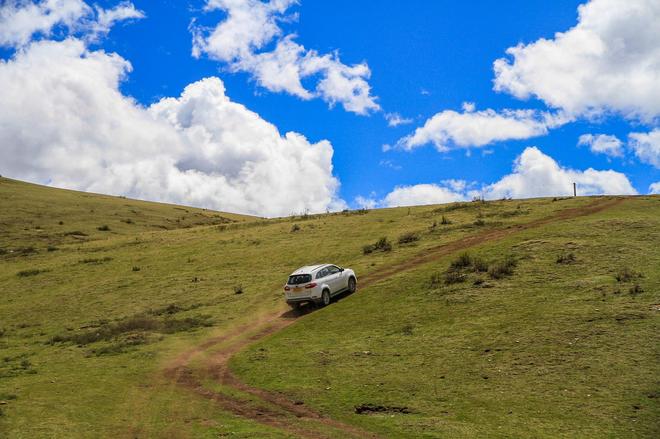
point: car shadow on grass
(310, 307)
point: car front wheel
(352, 285)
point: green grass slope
(37, 218)
(565, 345)
(88, 321)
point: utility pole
(574, 189)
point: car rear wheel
(352, 285)
(325, 298)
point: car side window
(333, 270)
(322, 273)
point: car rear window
(298, 279)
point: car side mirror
(341, 269)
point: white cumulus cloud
(420, 194)
(646, 146)
(243, 41)
(21, 21)
(65, 122)
(654, 188)
(535, 174)
(602, 144)
(451, 130)
(608, 62)
(366, 202)
(538, 175)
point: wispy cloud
(395, 119)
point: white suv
(318, 283)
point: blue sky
(424, 58)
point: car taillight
(287, 288)
(312, 285)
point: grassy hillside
(40, 218)
(91, 323)
(566, 345)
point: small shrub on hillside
(503, 268)
(103, 228)
(3, 251)
(479, 222)
(127, 221)
(463, 260)
(479, 265)
(453, 277)
(61, 223)
(52, 248)
(136, 268)
(26, 250)
(409, 237)
(238, 289)
(445, 221)
(121, 347)
(626, 275)
(436, 280)
(407, 329)
(635, 289)
(95, 261)
(295, 228)
(460, 267)
(566, 258)
(383, 244)
(134, 324)
(75, 233)
(170, 309)
(32, 272)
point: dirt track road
(276, 410)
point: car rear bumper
(302, 300)
(307, 296)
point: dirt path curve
(275, 409)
